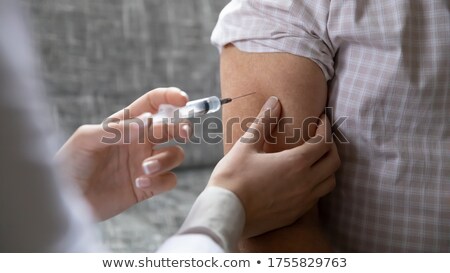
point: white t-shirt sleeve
(296, 27)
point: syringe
(196, 108)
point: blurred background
(97, 56)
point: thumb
(112, 131)
(259, 132)
(323, 132)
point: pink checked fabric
(388, 68)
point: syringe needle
(244, 95)
(228, 100)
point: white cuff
(219, 214)
(190, 243)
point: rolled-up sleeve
(291, 26)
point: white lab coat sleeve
(38, 212)
(214, 224)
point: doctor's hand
(115, 164)
(276, 189)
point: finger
(151, 101)
(149, 186)
(325, 187)
(112, 132)
(323, 131)
(115, 131)
(327, 165)
(163, 132)
(316, 147)
(163, 160)
(260, 130)
(172, 96)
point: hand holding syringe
(196, 108)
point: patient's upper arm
(297, 81)
(301, 87)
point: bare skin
(301, 88)
(110, 174)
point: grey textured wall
(100, 55)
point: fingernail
(184, 94)
(151, 166)
(143, 182)
(145, 117)
(271, 103)
(187, 130)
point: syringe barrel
(200, 107)
(192, 109)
